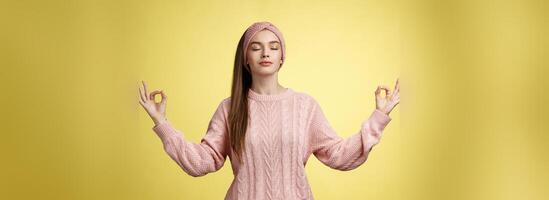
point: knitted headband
(258, 26)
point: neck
(267, 85)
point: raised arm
(197, 159)
(337, 152)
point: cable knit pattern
(284, 130)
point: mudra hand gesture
(390, 100)
(157, 111)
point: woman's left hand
(390, 100)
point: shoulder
(225, 103)
(222, 109)
(226, 100)
(300, 95)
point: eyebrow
(271, 42)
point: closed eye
(260, 49)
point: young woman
(267, 130)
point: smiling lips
(265, 63)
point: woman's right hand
(157, 111)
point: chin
(265, 71)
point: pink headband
(258, 26)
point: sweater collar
(269, 97)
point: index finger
(397, 85)
(145, 88)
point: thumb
(151, 96)
(378, 91)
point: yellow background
(472, 122)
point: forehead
(264, 36)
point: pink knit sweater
(283, 131)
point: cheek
(277, 55)
(251, 56)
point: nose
(265, 53)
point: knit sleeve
(349, 153)
(197, 159)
